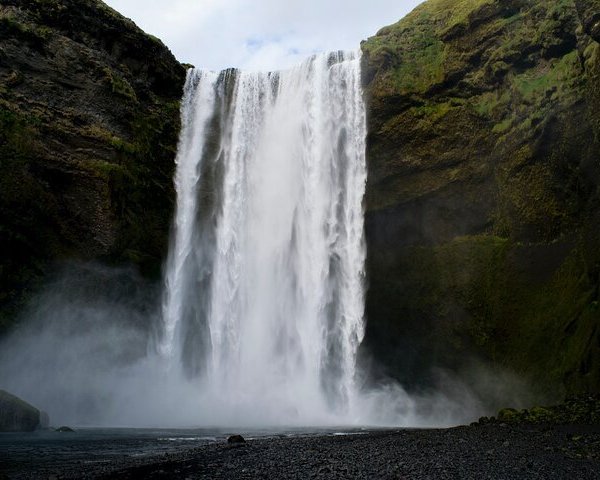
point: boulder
(16, 415)
(65, 429)
(236, 439)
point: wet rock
(17, 415)
(236, 440)
(582, 410)
(507, 414)
(484, 421)
(65, 429)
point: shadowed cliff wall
(89, 119)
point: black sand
(484, 452)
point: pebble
(489, 452)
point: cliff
(16, 415)
(483, 219)
(89, 118)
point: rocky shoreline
(498, 452)
(491, 451)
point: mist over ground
(85, 351)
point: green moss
(425, 115)
(421, 69)
(487, 104)
(140, 192)
(154, 39)
(96, 132)
(527, 194)
(591, 56)
(533, 86)
(433, 111)
(119, 85)
(417, 56)
(503, 126)
(530, 322)
(507, 415)
(531, 96)
(124, 147)
(456, 13)
(24, 209)
(12, 26)
(104, 169)
(35, 35)
(43, 32)
(417, 64)
(575, 410)
(17, 134)
(485, 298)
(468, 268)
(414, 49)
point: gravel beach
(495, 451)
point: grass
(415, 46)
(535, 85)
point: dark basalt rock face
(88, 130)
(17, 415)
(483, 205)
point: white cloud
(260, 34)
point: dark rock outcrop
(89, 119)
(483, 200)
(574, 411)
(236, 439)
(65, 429)
(589, 13)
(17, 415)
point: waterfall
(263, 305)
(264, 302)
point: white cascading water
(265, 282)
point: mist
(86, 352)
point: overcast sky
(260, 34)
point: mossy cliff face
(88, 131)
(483, 206)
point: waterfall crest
(264, 303)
